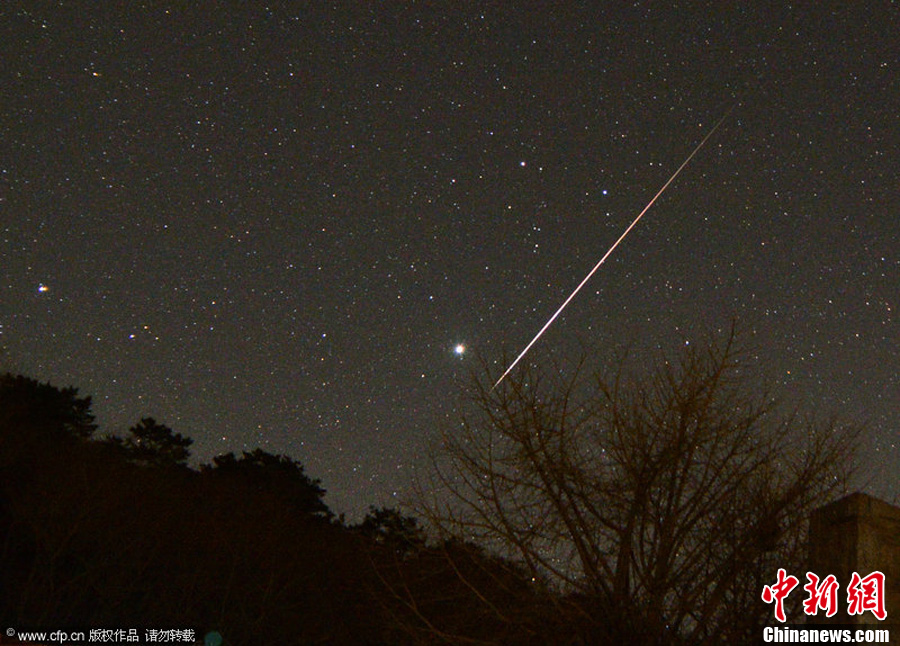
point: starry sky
(299, 225)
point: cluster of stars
(281, 247)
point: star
(460, 349)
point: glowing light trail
(611, 249)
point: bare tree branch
(661, 503)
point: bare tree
(654, 509)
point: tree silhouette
(391, 528)
(152, 444)
(276, 476)
(656, 509)
(45, 408)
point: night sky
(274, 225)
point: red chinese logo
(866, 594)
(779, 592)
(822, 595)
(863, 594)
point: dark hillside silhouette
(120, 532)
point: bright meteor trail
(611, 249)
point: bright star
(460, 349)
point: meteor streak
(611, 249)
